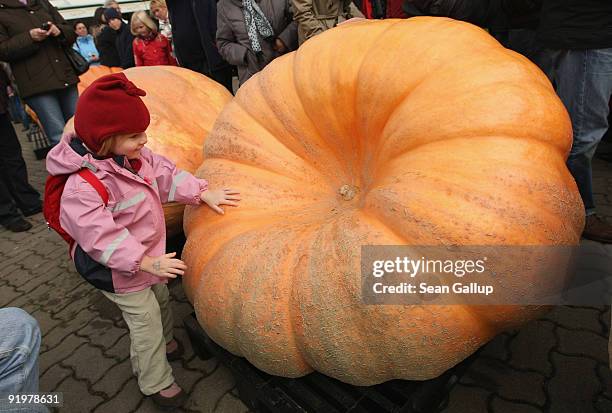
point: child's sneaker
(170, 398)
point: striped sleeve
(175, 185)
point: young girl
(120, 247)
(151, 48)
(160, 11)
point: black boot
(18, 225)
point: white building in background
(79, 9)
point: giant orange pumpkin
(423, 131)
(183, 105)
(93, 73)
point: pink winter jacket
(113, 239)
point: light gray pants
(148, 315)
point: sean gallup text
(424, 288)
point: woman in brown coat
(316, 16)
(252, 33)
(32, 38)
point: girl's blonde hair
(144, 18)
(158, 3)
(107, 145)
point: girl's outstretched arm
(181, 186)
(173, 184)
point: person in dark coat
(276, 35)
(106, 42)
(194, 27)
(512, 22)
(15, 190)
(124, 38)
(45, 77)
(576, 36)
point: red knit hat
(111, 105)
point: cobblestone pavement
(555, 364)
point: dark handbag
(78, 62)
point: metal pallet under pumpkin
(317, 393)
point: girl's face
(140, 29)
(81, 30)
(160, 13)
(129, 144)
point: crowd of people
(215, 39)
(570, 41)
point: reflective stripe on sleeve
(175, 182)
(108, 252)
(120, 206)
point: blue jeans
(54, 109)
(583, 80)
(17, 111)
(19, 346)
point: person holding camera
(33, 36)
(252, 33)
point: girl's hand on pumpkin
(164, 266)
(215, 197)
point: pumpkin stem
(348, 192)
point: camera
(45, 26)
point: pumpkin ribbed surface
(398, 132)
